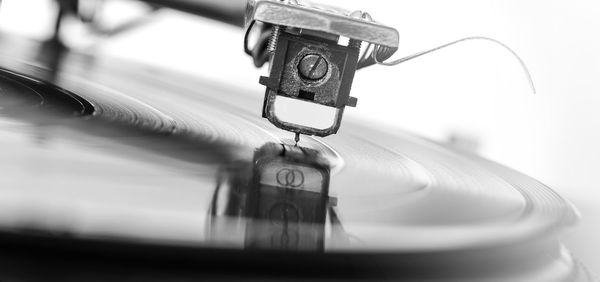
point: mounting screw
(272, 45)
(313, 67)
(353, 43)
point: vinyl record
(102, 156)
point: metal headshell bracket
(307, 60)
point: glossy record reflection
(104, 159)
(278, 201)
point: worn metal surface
(332, 89)
(307, 69)
(306, 60)
(311, 16)
(313, 67)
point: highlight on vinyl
(153, 140)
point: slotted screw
(313, 67)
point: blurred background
(473, 95)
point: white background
(475, 90)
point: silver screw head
(313, 67)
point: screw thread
(274, 38)
(353, 43)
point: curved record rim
(543, 215)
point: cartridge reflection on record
(279, 201)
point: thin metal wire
(410, 57)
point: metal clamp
(308, 61)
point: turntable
(111, 172)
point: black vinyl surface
(118, 172)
